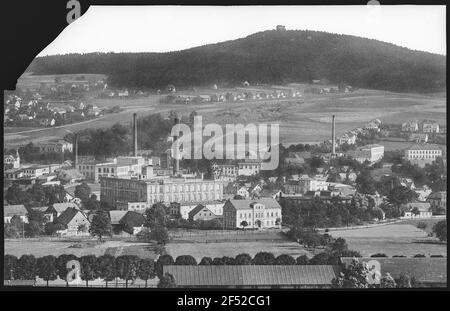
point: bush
(422, 225)
(378, 255)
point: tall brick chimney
(135, 148)
(176, 161)
(75, 150)
(333, 137)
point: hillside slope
(273, 57)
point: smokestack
(176, 161)
(134, 135)
(333, 136)
(75, 150)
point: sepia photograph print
(228, 147)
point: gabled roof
(132, 219)
(116, 216)
(437, 195)
(425, 269)
(66, 217)
(245, 204)
(253, 275)
(14, 210)
(197, 209)
(61, 207)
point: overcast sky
(171, 28)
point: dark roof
(197, 209)
(424, 269)
(132, 219)
(67, 216)
(437, 195)
(250, 275)
(116, 216)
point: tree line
(266, 57)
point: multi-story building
(262, 213)
(305, 184)
(201, 212)
(121, 167)
(249, 167)
(139, 207)
(430, 126)
(418, 137)
(58, 146)
(155, 190)
(11, 161)
(183, 209)
(36, 171)
(225, 172)
(410, 126)
(422, 154)
(371, 153)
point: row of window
(257, 215)
(424, 151)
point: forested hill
(272, 57)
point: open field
(56, 247)
(396, 239)
(302, 120)
(231, 249)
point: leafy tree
(404, 281)
(228, 261)
(146, 270)
(365, 183)
(106, 268)
(160, 234)
(9, 267)
(302, 260)
(206, 261)
(88, 268)
(100, 225)
(186, 260)
(36, 222)
(387, 281)
(167, 281)
(218, 261)
(354, 275)
(46, 268)
(401, 195)
(13, 230)
(163, 260)
(244, 224)
(321, 259)
(284, 260)
(82, 192)
(61, 265)
(156, 216)
(26, 268)
(243, 259)
(378, 255)
(264, 258)
(440, 230)
(127, 267)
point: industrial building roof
(253, 275)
